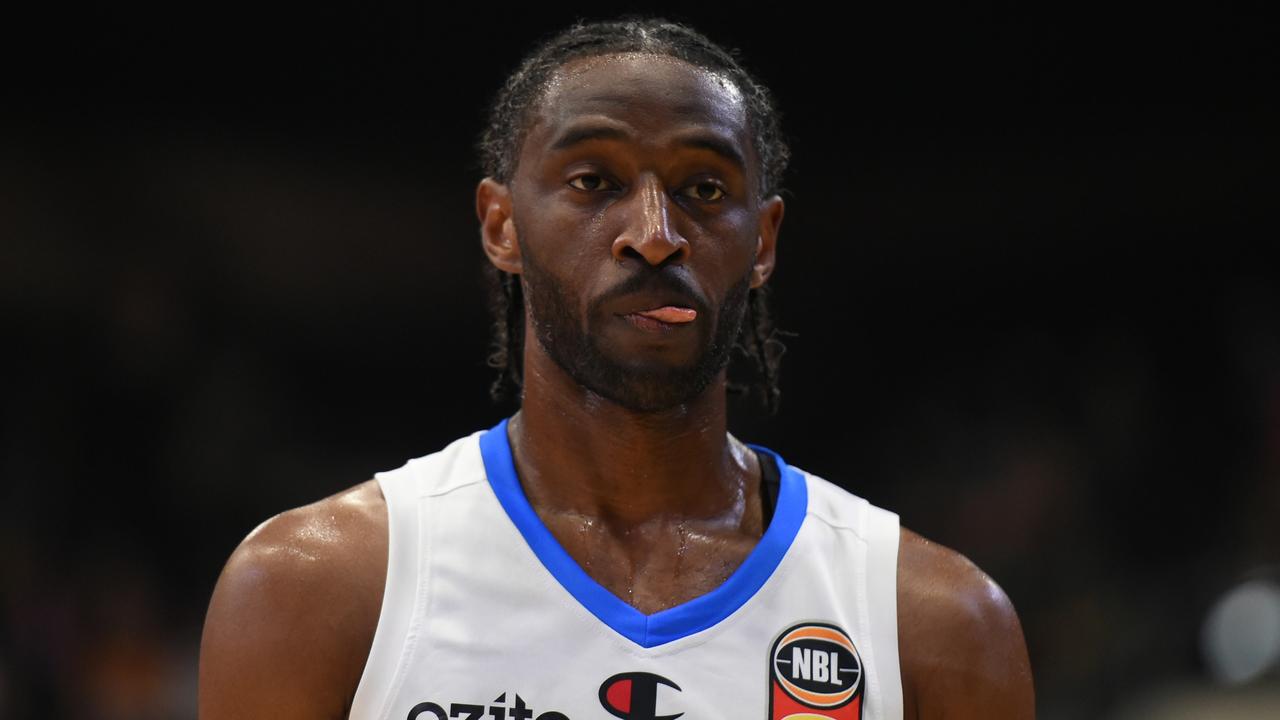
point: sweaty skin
(634, 164)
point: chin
(647, 386)
(648, 399)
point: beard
(633, 383)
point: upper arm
(961, 646)
(293, 614)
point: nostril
(630, 252)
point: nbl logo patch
(815, 673)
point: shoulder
(293, 614)
(961, 646)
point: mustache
(661, 281)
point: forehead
(651, 94)
(606, 82)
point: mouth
(657, 303)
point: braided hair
(510, 118)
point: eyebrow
(586, 133)
(717, 145)
(701, 140)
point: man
(611, 550)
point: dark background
(1025, 259)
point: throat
(663, 563)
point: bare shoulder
(961, 645)
(293, 614)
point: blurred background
(1025, 259)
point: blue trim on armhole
(673, 623)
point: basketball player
(611, 550)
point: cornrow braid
(511, 116)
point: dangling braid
(767, 349)
(508, 335)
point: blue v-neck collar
(673, 623)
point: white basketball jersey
(485, 615)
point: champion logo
(815, 672)
(634, 696)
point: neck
(577, 452)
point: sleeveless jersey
(485, 615)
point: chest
(486, 614)
(501, 627)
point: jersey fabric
(485, 615)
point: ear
(771, 212)
(497, 229)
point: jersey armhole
(377, 682)
(882, 563)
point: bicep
(989, 673)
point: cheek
(554, 283)
(729, 233)
(575, 252)
(728, 249)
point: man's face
(639, 224)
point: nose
(648, 231)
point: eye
(591, 183)
(706, 191)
